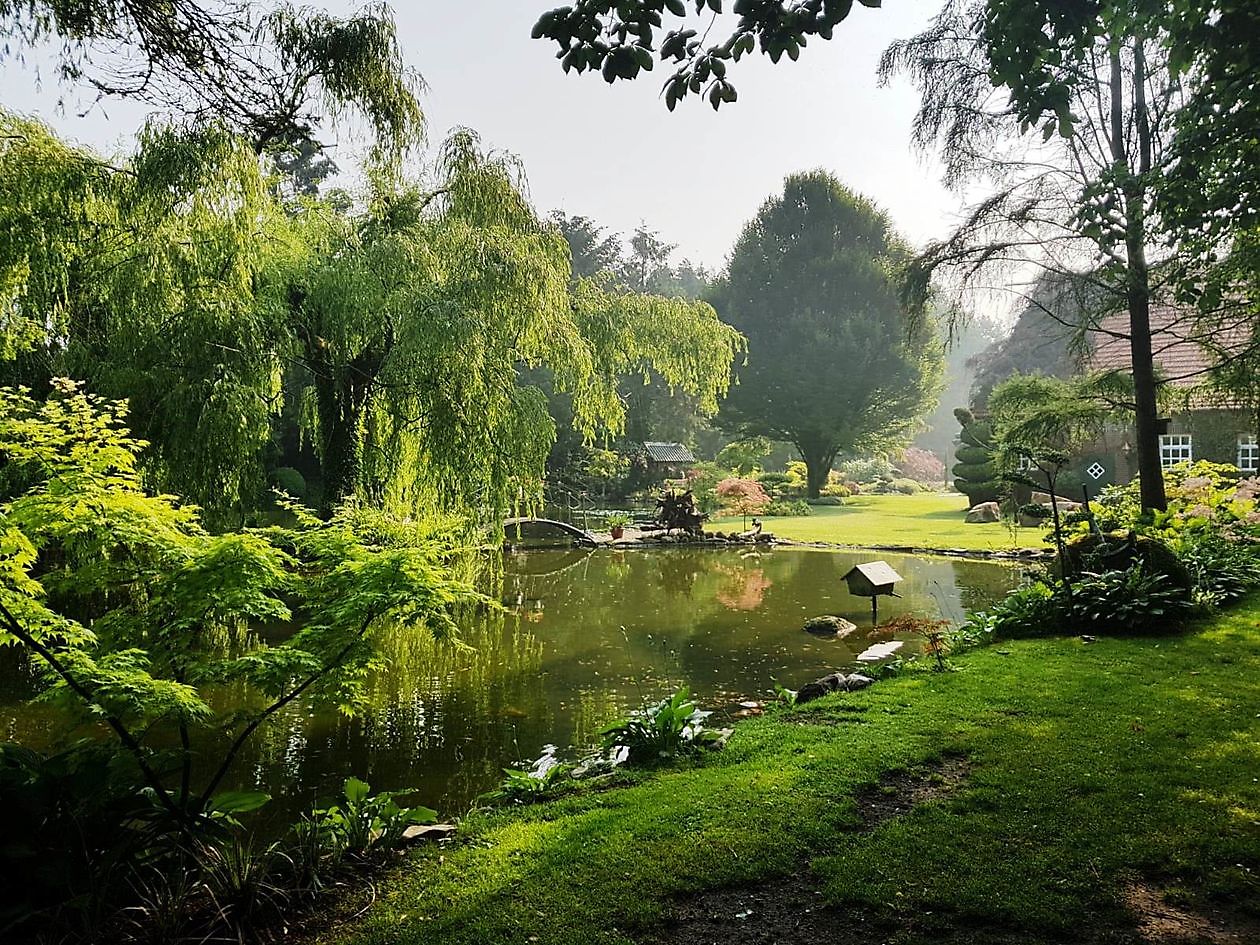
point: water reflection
(582, 638)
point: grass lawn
(929, 520)
(1096, 783)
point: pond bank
(1049, 790)
(641, 540)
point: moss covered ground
(1095, 777)
(929, 520)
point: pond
(586, 637)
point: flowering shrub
(921, 466)
(1201, 497)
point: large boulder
(984, 512)
(829, 626)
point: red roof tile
(1183, 350)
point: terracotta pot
(617, 532)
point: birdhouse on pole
(874, 580)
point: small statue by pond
(678, 510)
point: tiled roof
(668, 453)
(1183, 352)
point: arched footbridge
(578, 534)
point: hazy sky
(615, 153)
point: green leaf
(237, 802)
(355, 790)
(419, 815)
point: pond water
(586, 637)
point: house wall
(1215, 432)
(1215, 439)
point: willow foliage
(416, 319)
(398, 331)
(140, 280)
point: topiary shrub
(289, 480)
(974, 473)
(770, 481)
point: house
(667, 460)
(1202, 427)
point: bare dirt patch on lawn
(792, 909)
(1160, 922)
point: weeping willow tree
(417, 319)
(139, 278)
(176, 281)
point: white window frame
(1175, 448)
(1248, 453)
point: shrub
(838, 490)
(772, 480)
(1028, 611)
(867, 469)
(1130, 601)
(702, 479)
(1222, 569)
(787, 507)
(906, 486)
(1201, 496)
(974, 473)
(826, 500)
(288, 480)
(671, 727)
(1119, 552)
(1034, 510)
(922, 466)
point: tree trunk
(339, 447)
(1146, 408)
(341, 395)
(817, 467)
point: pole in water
(874, 610)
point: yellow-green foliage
(129, 609)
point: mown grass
(1089, 763)
(929, 520)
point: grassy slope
(1089, 761)
(929, 520)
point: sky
(615, 153)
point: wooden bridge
(580, 535)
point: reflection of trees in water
(448, 717)
(442, 715)
(745, 588)
(594, 709)
(980, 584)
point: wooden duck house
(874, 580)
